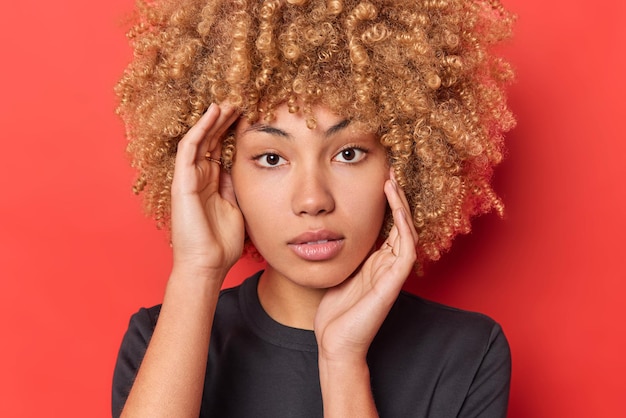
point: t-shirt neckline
(267, 328)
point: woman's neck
(287, 302)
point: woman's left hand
(350, 315)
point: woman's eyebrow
(268, 130)
(271, 130)
(337, 127)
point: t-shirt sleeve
(488, 394)
(130, 355)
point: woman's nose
(312, 194)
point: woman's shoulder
(417, 304)
(432, 324)
(432, 357)
(427, 311)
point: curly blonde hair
(420, 73)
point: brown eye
(270, 160)
(348, 154)
(351, 155)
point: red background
(77, 257)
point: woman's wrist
(199, 278)
(346, 388)
(185, 268)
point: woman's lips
(317, 251)
(317, 246)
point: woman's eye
(270, 160)
(351, 155)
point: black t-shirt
(427, 360)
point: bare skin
(207, 237)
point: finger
(226, 189)
(392, 191)
(187, 152)
(401, 236)
(228, 115)
(405, 203)
(213, 166)
(394, 203)
(391, 238)
(393, 234)
(404, 246)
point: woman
(351, 142)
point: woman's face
(312, 199)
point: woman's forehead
(321, 112)
(327, 121)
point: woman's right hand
(207, 239)
(207, 225)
